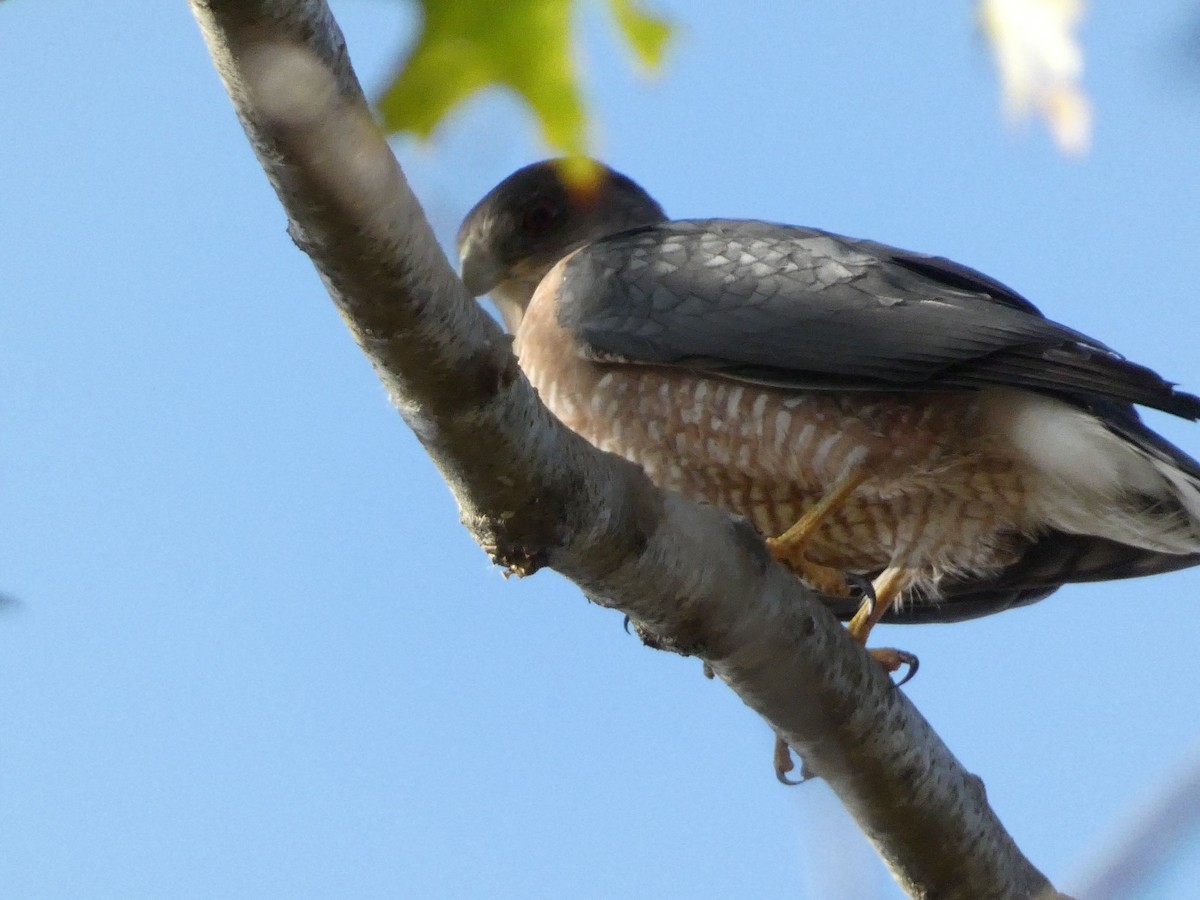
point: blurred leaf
(1041, 64)
(646, 34)
(523, 45)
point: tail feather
(1186, 491)
(1101, 472)
(1108, 499)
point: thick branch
(535, 494)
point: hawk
(874, 412)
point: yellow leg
(887, 587)
(790, 547)
(801, 533)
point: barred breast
(944, 494)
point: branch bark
(534, 494)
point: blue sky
(256, 655)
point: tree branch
(534, 494)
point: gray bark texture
(534, 494)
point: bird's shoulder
(739, 256)
(810, 309)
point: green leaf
(521, 45)
(647, 34)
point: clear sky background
(255, 654)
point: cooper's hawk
(900, 416)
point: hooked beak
(481, 271)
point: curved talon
(784, 764)
(865, 587)
(910, 660)
(783, 779)
(892, 660)
(625, 625)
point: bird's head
(538, 215)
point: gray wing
(803, 308)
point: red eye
(541, 216)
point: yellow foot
(791, 547)
(892, 660)
(881, 594)
(784, 764)
(822, 579)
